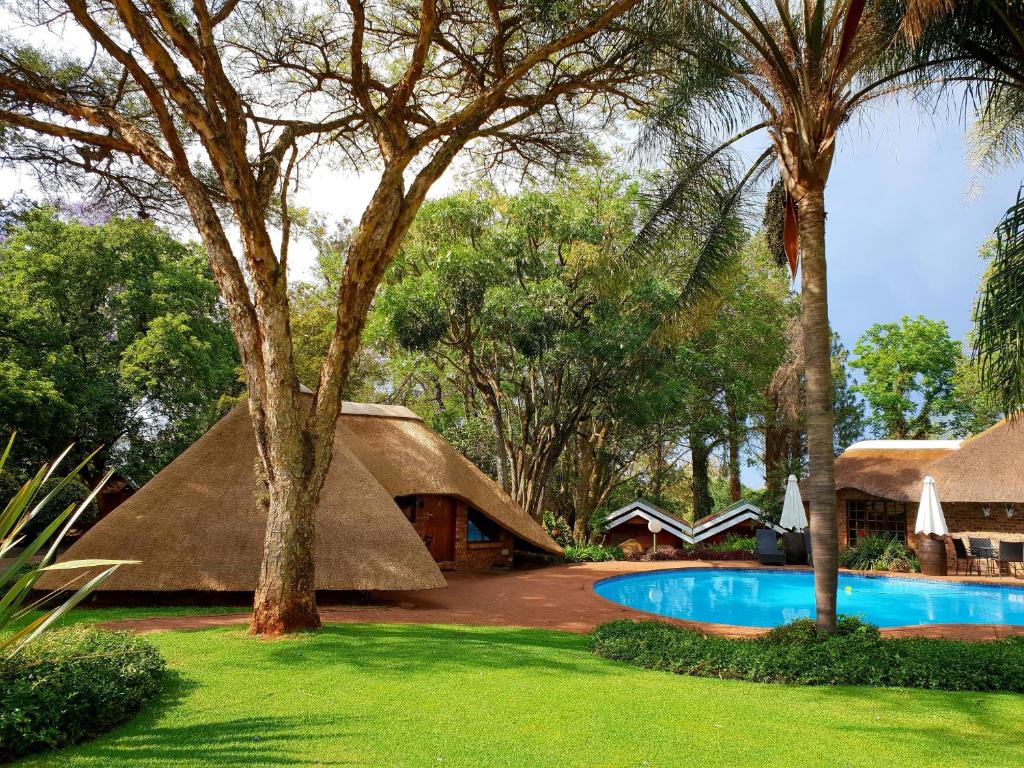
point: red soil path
(560, 597)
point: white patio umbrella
(793, 516)
(930, 519)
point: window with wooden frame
(867, 517)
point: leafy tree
(783, 423)
(918, 382)
(848, 408)
(217, 105)
(524, 297)
(110, 335)
(725, 369)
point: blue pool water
(760, 598)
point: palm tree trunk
(818, 373)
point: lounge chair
(1011, 555)
(982, 549)
(962, 555)
(768, 548)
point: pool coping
(967, 632)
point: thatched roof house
(980, 482)
(399, 505)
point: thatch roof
(407, 458)
(984, 468)
(196, 525)
(890, 473)
(989, 467)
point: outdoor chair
(962, 555)
(1011, 557)
(982, 549)
(807, 539)
(768, 548)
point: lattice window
(870, 518)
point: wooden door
(439, 527)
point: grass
(117, 613)
(360, 695)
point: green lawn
(116, 613)
(359, 695)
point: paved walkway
(560, 597)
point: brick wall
(470, 555)
(480, 555)
(963, 520)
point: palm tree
(797, 72)
(982, 45)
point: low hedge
(72, 684)
(795, 653)
(590, 553)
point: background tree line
(509, 321)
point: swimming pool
(766, 598)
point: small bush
(558, 529)
(72, 684)
(591, 553)
(665, 553)
(795, 653)
(879, 553)
(732, 542)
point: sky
(906, 217)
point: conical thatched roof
(987, 467)
(196, 525)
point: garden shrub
(732, 542)
(797, 654)
(881, 552)
(591, 553)
(72, 684)
(558, 529)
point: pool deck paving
(559, 597)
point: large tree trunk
(703, 504)
(285, 599)
(295, 439)
(818, 372)
(592, 478)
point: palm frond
(999, 315)
(702, 211)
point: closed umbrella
(931, 523)
(930, 519)
(793, 516)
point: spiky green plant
(18, 578)
(879, 553)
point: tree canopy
(918, 382)
(525, 296)
(111, 335)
